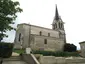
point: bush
(6, 49)
(45, 53)
(57, 54)
(70, 47)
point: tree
(69, 47)
(8, 10)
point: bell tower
(58, 25)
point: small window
(45, 41)
(40, 33)
(59, 25)
(48, 34)
(56, 25)
(19, 36)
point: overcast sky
(42, 12)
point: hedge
(57, 53)
(6, 49)
(70, 47)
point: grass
(19, 51)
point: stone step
(13, 58)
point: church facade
(41, 38)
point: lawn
(19, 51)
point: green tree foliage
(69, 47)
(8, 10)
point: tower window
(48, 34)
(59, 25)
(40, 33)
(19, 36)
(45, 41)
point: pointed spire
(56, 14)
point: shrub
(57, 53)
(6, 49)
(69, 47)
(45, 53)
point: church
(41, 38)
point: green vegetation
(8, 10)
(57, 54)
(19, 51)
(70, 47)
(6, 49)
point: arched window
(45, 41)
(40, 33)
(19, 37)
(48, 34)
(59, 25)
(56, 25)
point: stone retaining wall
(29, 58)
(61, 60)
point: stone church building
(41, 38)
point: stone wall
(53, 44)
(61, 60)
(82, 46)
(29, 59)
(24, 38)
(36, 30)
